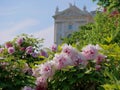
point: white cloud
(10, 33)
(47, 34)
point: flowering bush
(71, 69)
(18, 59)
(105, 31)
(65, 68)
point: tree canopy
(110, 5)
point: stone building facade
(68, 21)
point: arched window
(70, 27)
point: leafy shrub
(18, 59)
(72, 69)
(105, 31)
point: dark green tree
(109, 4)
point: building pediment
(71, 12)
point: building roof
(71, 11)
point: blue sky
(33, 17)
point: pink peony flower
(100, 58)
(54, 48)
(1, 50)
(69, 50)
(61, 61)
(41, 83)
(90, 52)
(78, 59)
(8, 44)
(46, 69)
(20, 40)
(98, 67)
(34, 54)
(43, 53)
(11, 50)
(29, 49)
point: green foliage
(112, 74)
(76, 78)
(109, 4)
(105, 31)
(30, 41)
(79, 77)
(16, 68)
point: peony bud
(20, 40)
(11, 50)
(34, 54)
(98, 67)
(8, 44)
(54, 48)
(43, 53)
(29, 49)
(22, 48)
(100, 58)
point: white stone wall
(62, 22)
(62, 27)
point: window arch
(70, 26)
